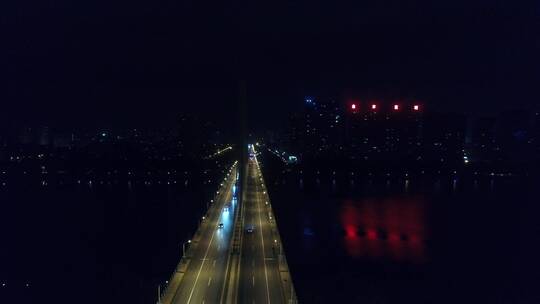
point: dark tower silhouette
(241, 139)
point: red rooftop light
(396, 107)
(416, 107)
(374, 107)
(353, 106)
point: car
(220, 225)
(250, 229)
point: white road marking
(202, 264)
(214, 264)
(209, 281)
(264, 261)
(253, 279)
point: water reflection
(384, 228)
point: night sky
(142, 62)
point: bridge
(236, 254)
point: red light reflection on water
(388, 228)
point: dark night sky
(132, 62)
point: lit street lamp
(184, 248)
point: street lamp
(275, 242)
(184, 248)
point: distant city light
(396, 107)
(416, 107)
(373, 106)
(353, 106)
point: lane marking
(202, 264)
(263, 251)
(214, 264)
(235, 214)
(212, 212)
(253, 278)
(209, 281)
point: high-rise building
(43, 136)
(377, 131)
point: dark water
(105, 243)
(423, 240)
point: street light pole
(184, 248)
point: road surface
(204, 277)
(259, 274)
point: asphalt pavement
(204, 276)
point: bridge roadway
(259, 273)
(204, 277)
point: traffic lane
(198, 273)
(190, 277)
(264, 243)
(267, 251)
(253, 286)
(272, 266)
(213, 268)
(247, 256)
(246, 270)
(271, 249)
(253, 277)
(217, 263)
